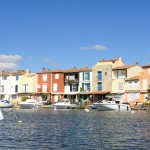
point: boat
(31, 104)
(3, 105)
(111, 104)
(63, 104)
(94, 105)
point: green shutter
(88, 85)
(70, 87)
(83, 75)
(88, 75)
(82, 86)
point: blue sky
(73, 33)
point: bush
(24, 98)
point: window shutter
(83, 75)
(89, 76)
(70, 87)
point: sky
(62, 34)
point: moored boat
(63, 104)
(31, 104)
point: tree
(148, 91)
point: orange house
(144, 81)
(52, 82)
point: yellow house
(121, 77)
(27, 84)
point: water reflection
(75, 129)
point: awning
(98, 92)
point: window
(121, 73)
(120, 86)
(44, 77)
(73, 87)
(100, 86)
(2, 89)
(56, 76)
(4, 78)
(130, 83)
(148, 70)
(25, 88)
(136, 83)
(86, 76)
(99, 75)
(17, 78)
(86, 86)
(145, 84)
(16, 88)
(55, 87)
(132, 96)
(44, 88)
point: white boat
(31, 104)
(94, 105)
(112, 105)
(63, 104)
(4, 104)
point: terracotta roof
(124, 67)
(74, 69)
(111, 60)
(5, 73)
(148, 65)
(133, 78)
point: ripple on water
(75, 129)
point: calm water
(48, 129)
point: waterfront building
(125, 82)
(9, 84)
(26, 84)
(102, 77)
(145, 82)
(52, 83)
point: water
(48, 129)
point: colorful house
(102, 77)
(27, 84)
(9, 84)
(144, 82)
(123, 78)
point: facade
(27, 84)
(144, 82)
(102, 76)
(121, 75)
(9, 84)
(52, 83)
(129, 83)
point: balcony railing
(72, 81)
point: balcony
(71, 81)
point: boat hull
(107, 106)
(63, 106)
(7, 105)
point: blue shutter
(100, 86)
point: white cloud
(9, 62)
(94, 47)
(10, 58)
